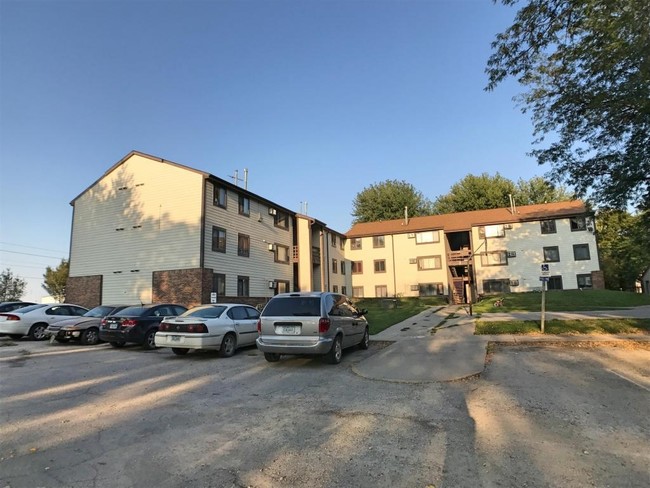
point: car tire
(228, 345)
(149, 342)
(90, 337)
(180, 351)
(61, 340)
(365, 342)
(15, 336)
(118, 344)
(37, 332)
(271, 357)
(335, 354)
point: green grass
(384, 312)
(587, 326)
(562, 301)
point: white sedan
(34, 319)
(223, 327)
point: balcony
(455, 258)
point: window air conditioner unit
(413, 260)
(507, 226)
(272, 211)
(512, 254)
(514, 282)
(411, 235)
(271, 247)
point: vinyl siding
(260, 266)
(157, 209)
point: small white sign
(213, 297)
(546, 270)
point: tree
(624, 246)
(12, 287)
(55, 280)
(484, 192)
(386, 201)
(586, 67)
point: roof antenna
(406, 215)
(512, 204)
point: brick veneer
(84, 290)
(598, 280)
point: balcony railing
(458, 257)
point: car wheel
(228, 345)
(365, 342)
(118, 344)
(15, 336)
(335, 354)
(150, 340)
(271, 357)
(37, 332)
(62, 340)
(90, 337)
(179, 351)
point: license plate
(288, 329)
(112, 326)
(175, 338)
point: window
(219, 284)
(430, 289)
(380, 265)
(378, 241)
(578, 223)
(427, 237)
(496, 286)
(344, 290)
(548, 226)
(357, 291)
(333, 240)
(357, 267)
(494, 258)
(429, 262)
(485, 231)
(243, 289)
(551, 254)
(220, 196)
(218, 239)
(243, 245)
(584, 281)
(281, 220)
(581, 252)
(342, 267)
(244, 205)
(342, 243)
(555, 283)
(381, 291)
(335, 288)
(355, 243)
(335, 266)
(281, 254)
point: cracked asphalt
(75, 416)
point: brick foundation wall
(84, 290)
(182, 286)
(598, 280)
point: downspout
(323, 261)
(203, 294)
(392, 245)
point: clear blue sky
(318, 99)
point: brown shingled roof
(463, 221)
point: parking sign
(546, 270)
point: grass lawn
(562, 301)
(587, 326)
(384, 312)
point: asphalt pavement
(439, 345)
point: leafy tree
(624, 246)
(11, 287)
(386, 201)
(485, 192)
(586, 67)
(55, 280)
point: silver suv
(318, 323)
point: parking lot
(75, 416)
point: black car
(137, 324)
(11, 306)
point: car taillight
(323, 325)
(10, 317)
(129, 323)
(259, 326)
(163, 327)
(197, 328)
(103, 323)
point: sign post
(546, 272)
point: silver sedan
(34, 319)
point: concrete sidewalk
(439, 344)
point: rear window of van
(293, 307)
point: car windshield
(29, 308)
(204, 312)
(101, 311)
(131, 311)
(293, 306)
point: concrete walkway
(439, 344)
